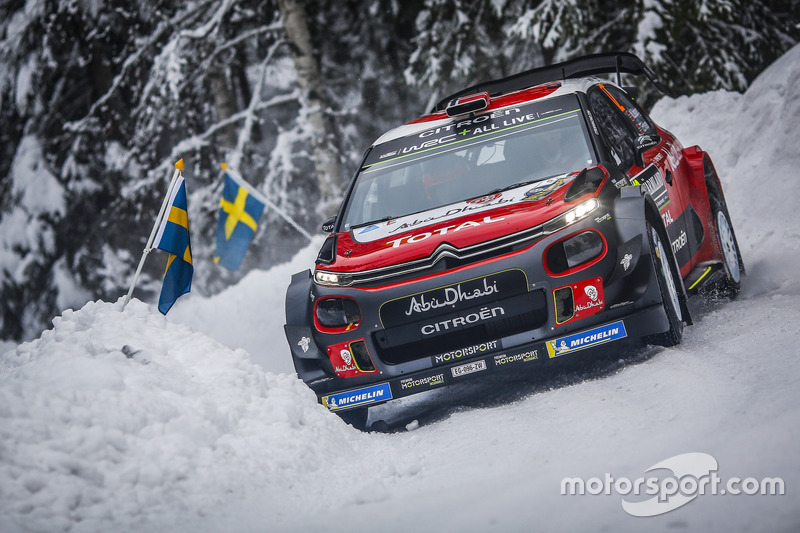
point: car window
(470, 157)
(636, 116)
(613, 127)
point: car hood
(460, 225)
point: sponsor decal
(586, 339)
(591, 292)
(368, 229)
(645, 142)
(484, 199)
(341, 357)
(465, 131)
(358, 398)
(427, 382)
(443, 299)
(621, 304)
(523, 357)
(672, 151)
(595, 300)
(303, 343)
(452, 296)
(591, 121)
(652, 182)
(448, 324)
(468, 368)
(626, 261)
(544, 188)
(679, 243)
(603, 218)
(443, 231)
(448, 213)
(588, 299)
(620, 183)
(467, 351)
(666, 216)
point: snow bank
(752, 140)
(115, 419)
(250, 314)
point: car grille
(406, 342)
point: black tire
(732, 257)
(355, 417)
(669, 284)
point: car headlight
(577, 250)
(337, 314)
(573, 215)
(332, 279)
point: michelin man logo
(591, 292)
(346, 357)
(626, 261)
(303, 343)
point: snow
(126, 421)
(24, 231)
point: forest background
(98, 99)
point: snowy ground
(130, 422)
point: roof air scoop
(467, 104)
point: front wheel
(732, 259)
(668, 283)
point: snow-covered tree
(99, 99)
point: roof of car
(539, 92)
(575, 75)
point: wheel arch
(653, 216)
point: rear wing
(589, 65)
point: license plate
(469, 368)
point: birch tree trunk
(326, 161)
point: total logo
(443, 231)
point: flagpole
(148, 246)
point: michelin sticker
(586, 339)
(358, 397)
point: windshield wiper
(371, 222)
(521, 183)
(513, 186)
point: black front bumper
(487, 359)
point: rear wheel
(732, 259)
(668, 283)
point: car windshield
(468, 158)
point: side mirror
(643, 144)
(328, 225)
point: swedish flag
(239, 211)
(173, 237)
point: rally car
(522, 220)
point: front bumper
(486, 361)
